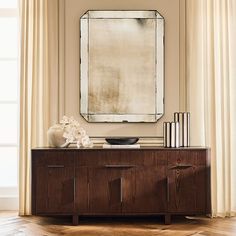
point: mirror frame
(84, 66)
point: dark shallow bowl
(122, 141)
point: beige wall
(69, 61)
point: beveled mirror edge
(160, 64)
(119, 118)
(124, 14)
(111, 118)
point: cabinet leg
(167, 219)
(75, 219)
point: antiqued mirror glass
(122, 66)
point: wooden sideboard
(145, 181)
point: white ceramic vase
(55, 136)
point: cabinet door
(128, 190)
(52, 182)
(150, 183)
(105, 190)
(54, 189)
(81, 190)
(186, 182)
(150, 190)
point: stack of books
(177, 133)
(107, 145)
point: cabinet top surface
(157, 148)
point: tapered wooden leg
(75, 219)
(167, 219)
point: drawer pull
(180, 167)
(167, 189)
(119, 166)
(56, 166)
(121, 190)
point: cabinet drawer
(120, 157)
(53, 159)
(105, 158)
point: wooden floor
(12, 224)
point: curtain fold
(211, 78)
(38, 85)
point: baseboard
(9, 203)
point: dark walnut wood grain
(104, 190)
(150, 183)
(53, 183)
(81, 189)
(187, 181)
(145, 181)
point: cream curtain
(211, 78)
(38, 85)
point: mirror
(122, 66)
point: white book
(181, 125)
(177, 134)
(186, 129)
(172, 142)
(107, 145)
(168, 134)
(164, 134)
(178, 117)
(188, 132)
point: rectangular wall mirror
(122, 66)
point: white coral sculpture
(74, 133)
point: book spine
(177, 134)
(181, 132)
(168, 136)
(176, 117)
(172, 134)
(164, 134)
(186, 129)
(188, 132)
